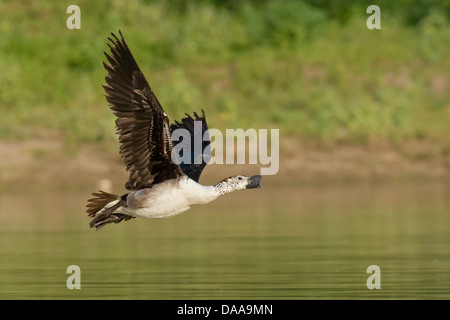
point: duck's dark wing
(199, 136)
(142, 124)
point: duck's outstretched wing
(142, 123)
(198, 157)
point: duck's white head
(238, 182)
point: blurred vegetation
(310, 68)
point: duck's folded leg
(102, 207)
(105, 219)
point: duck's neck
(196, 193)
(199, 194)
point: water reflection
(294, 242)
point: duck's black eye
(240, 178)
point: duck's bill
(254, 182)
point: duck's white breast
(166, 199)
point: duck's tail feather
(101, 209)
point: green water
(278, 242)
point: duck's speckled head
(238, 182)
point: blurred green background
(350, 103)
(311, 68)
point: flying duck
(158, 187)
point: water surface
(280, 242)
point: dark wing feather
(142, 123)
(197, 158)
